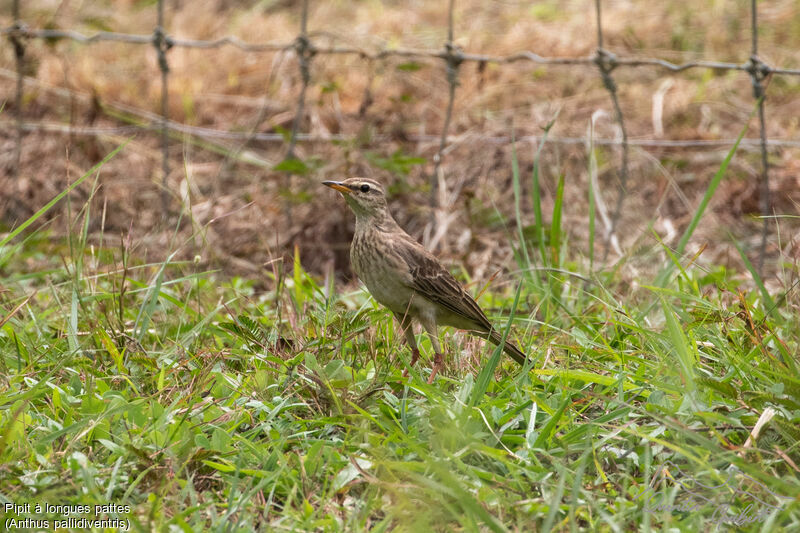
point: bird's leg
(408, 332)
(438, 360)
(438, 364)
(414, 358)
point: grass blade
(537, 194)
(485, 376)
(681, 345)
(523, 244)
(555, 225)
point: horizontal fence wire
(305, 48)
(21, 31)
(212, 133)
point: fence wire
(305, 48)
(162, 44)
(758, 74)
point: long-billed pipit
(406, 278)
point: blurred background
(254, 129)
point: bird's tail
(515, 353)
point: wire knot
(302, 45)
(606, 62)
(305, 51)
(162, 43)
(18, 29)
(453, 56)
(17, 34)
(759, 71)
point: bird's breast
(379, 268)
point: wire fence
(306, 50)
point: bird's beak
(337, 186)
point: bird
(406, 278)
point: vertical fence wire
(759, 72)
(305, 52)
(19, 57)
(606, 63)
(453, 58)
(162, 44)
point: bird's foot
(414, 357)
(438, 364)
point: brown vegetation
(245, 213)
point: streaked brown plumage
(405, 277)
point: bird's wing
(430, 279)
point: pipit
(406, 278)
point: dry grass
(228, 89)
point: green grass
(203, 404)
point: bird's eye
(365, 188)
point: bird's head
(365, 197)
